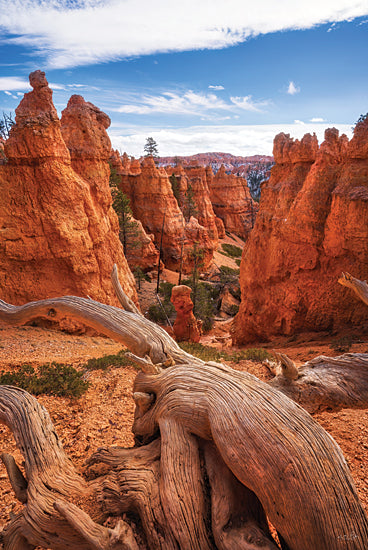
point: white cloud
(238, 140)
(216, 87)
(83, 32)
(300, 122)
(13, 83)
(317, 119)
(187, 103)
(292, 89)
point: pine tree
(175, 185)
(151, 148)
(128, 227)
(189, 208)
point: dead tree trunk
(223, 452)
(359, 287)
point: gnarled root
(49, 518)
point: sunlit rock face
(58, 232)
(193, 180)
(311, 226)
(186, 327)
(154, 204)
(232, 202)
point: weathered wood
(52, 483)
(270, 444)
(359, 287)
(136, 332)
(329, 383)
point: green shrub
(206, 353)
(342, 344)
(52, 379)
(232, 250)
(165, 290)
(228, 275)
(156, 314)
(107, 361)
(238, 261)
(233, 310)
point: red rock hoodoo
(193, 180)
(152, 200)
(139, 249)
(232, 202)
(58, 231)
(311, 226)
(186, 326)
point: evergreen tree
(189, 207)
(175, 185)
(196, 254)
(128, 227)
(151, 148)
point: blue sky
(200, 75)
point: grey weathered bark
(228, 451)
(359, 287)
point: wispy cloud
(317, 119)
(240, 139)
(188, 103)
(292, 89)
(216, 87)
(82, 32)
(13, 83)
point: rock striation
(154, 204)
(311, 226)
(58, 231)
(232, 202)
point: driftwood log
(219, 454)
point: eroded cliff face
(193, 185)
(311, 226)
(152, 201)
(232, 202)
(58, 232)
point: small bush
(165, 290)
(233, 310)
(107, 361)
(342, 344)
(206, 353)
(232, 250)
(228, 275)
(156, 314)
(238, 261)
(52, 379)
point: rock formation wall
(194, 178)
(232, 202)
(58, 232)
(312, 225)
(139, 248)
(152, 198)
